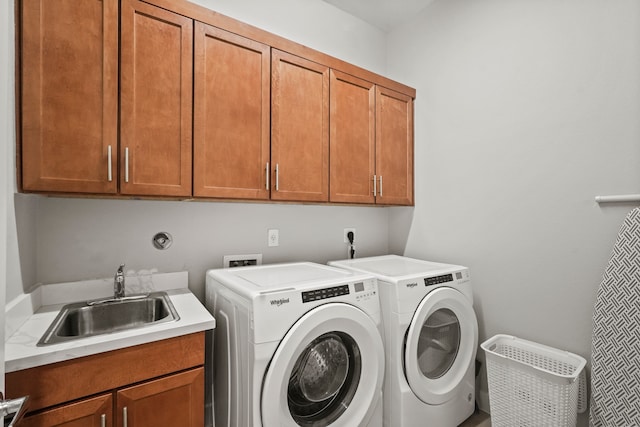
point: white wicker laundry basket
(530, 384)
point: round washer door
(440, 345)
(328, 369)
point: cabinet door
(231, 117)
(394, 147)
(69, 95)
(352, 140)
(299, 129)
(176, 400)
(155, 101)
(94, 412)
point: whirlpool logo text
(279, 302)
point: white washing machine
(296, 345)
(431, 340)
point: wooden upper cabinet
(299, 129)
(176, 400)
(352, 146)
(69, 95)
(231, 115)
(394, 147)
(163, 98)
(156, 85)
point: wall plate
(162, 240)
(273, 237)
(230, 261)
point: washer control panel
(324, 293)
(436, 280)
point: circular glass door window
(324, 379)
(438, 343)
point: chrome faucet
(118, 283)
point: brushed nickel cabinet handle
(124, 417)
(375, 190)
(380, 185)
(277, 177)
(103, 420)
(267, 177)
(109, 164)
(126, 164)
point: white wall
(75, 239)
(6, 140)
(312, 23)
(20, 237)
(86, 238)
(526, 110)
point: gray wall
(58, 239)
(6, 140)
(82, 238)
(312, 23)
(526, 110)
(12, 260)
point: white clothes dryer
(431, 338)
(296, 344)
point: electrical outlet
(273, 237)
(229, 261)
(346, 231)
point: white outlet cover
(273, 237)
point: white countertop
(29, 316)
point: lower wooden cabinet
(94, 412)
(149, 385)
(176, 400)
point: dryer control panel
(436, 280)
(324, 293)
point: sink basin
(85, 319)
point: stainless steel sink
(85, 319)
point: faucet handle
(118, 283)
